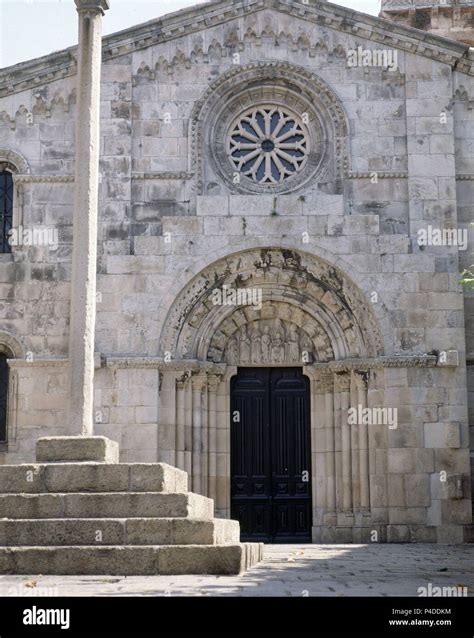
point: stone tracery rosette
(309, 102)
(269, 145)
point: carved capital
(327, 382)
(342, 382)
(361, 378)
(182, 380)
(213, 381)
(92, 6)
(198, 381)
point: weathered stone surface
(74, 449)
(131, 560)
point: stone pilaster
(328, 386)
(361, 384)
(84, 258)
(181, 383)
(213, 385)
(198, 385)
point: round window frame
(276, 95)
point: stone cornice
(158, 363)
(38, 363)
(394, 361)
(164, 175)
(68, 179)
(379, 174)
(194, 19)
(39, 179)
(193, 365)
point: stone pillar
(355, 457)
(213, 384)
(318, 448)
(84, 257)
(181, 384)
(344, 387)
(199, 382)
(167, 418)
(337, 443)
(328, 385)
(361, 381)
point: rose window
(268, 145)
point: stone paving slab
(287, 570)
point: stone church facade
(267, 170)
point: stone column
(198, 381)
(355, 457)
(343, 443)
(318, 446)
(328, 384)
(84, 257)
(213, 384)
(361, 380)
(181, 383)
(344, 385)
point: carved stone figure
(233, 351)
(266, 345)
(278, 349)
(256, 345)
(244, 346)
(293, 345)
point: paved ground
(287, 570)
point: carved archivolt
(311, 311)
(278, 84)
(10, 345)
(14, 162)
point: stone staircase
(82, 516)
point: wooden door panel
(270, 454)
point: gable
(196, 20)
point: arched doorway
(308, 317)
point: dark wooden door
(271, 455)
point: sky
(30, 28)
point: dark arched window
(3, 396)
(6, 209)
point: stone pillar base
(77, 449)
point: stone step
(106, 505)
(131, 560)
(91, 477)
(115, 531)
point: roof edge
(62, 63)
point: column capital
(182, 379)
(92, 6)
(198, 380)
(213, 381)
(342, 382)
